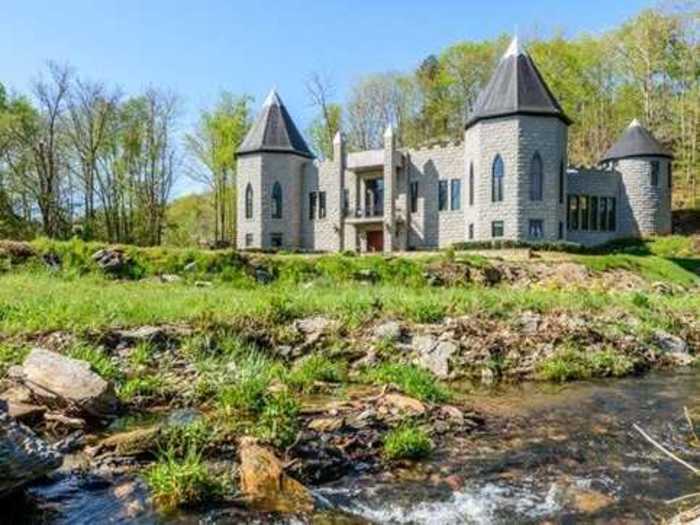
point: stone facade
(395, 199)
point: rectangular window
(471, 185)
(655, 167)
(561, 230)
(536, 229)
(594, 213)
(670, 176)
(573, 212)
(442, 195)
(562, 173)
(455, 194)
(471, 231)
(312, 205)
(497, 229)
(603, 214)
(276, 240)
(612, 222)
(346, 202)
(414, 196)
(583, 204)
(248, 240)
(321, 204)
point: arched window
(497, 173)
(277, 201)
(536, 178)
(249, 202)
(471, 184)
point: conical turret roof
(274, 131)
(516, 87)
(636, 141)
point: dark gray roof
(516, 87)
(637, 141)
(274, 131)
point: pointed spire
(274, 131)
(516, 87)
(338, 139)
(636, 141)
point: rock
(142, 334)
(314, 325)
(529, 323)
(25, 413)
(112, 261)
(202, 284)
(18, 393)
(436, 357)
(52, 260)
(71, 442)
(488, 376)
(23, 456)
(489, 276)
(265, 485)
(389, 331)
(61, 380)
(662, 288)
(170, 278)
(674, 348)
(326, 424)
(452, 413)
(591, 501)
(65, 421)
(402, 403)
(263, 275)
(132, 443)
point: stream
(547, 453)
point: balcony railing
(363, 213)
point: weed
(316, 368)
(410, 379)
(572, 364)
(278, 424)
(407, 442)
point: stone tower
(270, 168)
(644, 166)
(515, 146)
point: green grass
(316, 368)
(246, 383)
(181, 482)
(277, 423)
(407, 442)
(651, 267)
(11, 355)
(411, 380)
(143, 386)
(99, 361)
(572, 364)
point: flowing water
(564, 454)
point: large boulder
(69, 383)
(434, 355)
(265, 485)
(673, 348)
(111, 260)
(23, 456)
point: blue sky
(198, 48)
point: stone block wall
(645, 208)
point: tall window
(276, 240)
(561, 182)
(536, 178)
(573, 212)
(583, 205)
(312, 205)
(603, 214)
(455, 194)
(321, 204)
(277, 201)
(414, 196)
(497, 173)
(471, 184)
(248, 201)
(442, 195)
(655, 168)
(497, 229)
(612, 223)
(594, 213)
(670, 175)
(535, 229)
(346, 201)
(471, 231)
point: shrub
(182, 482)
(278, 424)
(572, 364)
(411, 380)
(407, 442)
(315, 368)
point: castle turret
(515, 144)
(644, 166)
(270, 164)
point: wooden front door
(375, 241)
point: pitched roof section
(274, 131)
(516, 87)
(637, 141)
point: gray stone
(63, 381)
(673, 347)
(23, 456)
(389, 331)
(436, 357)
(529, 322)
(314, 325)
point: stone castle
(508, 180)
